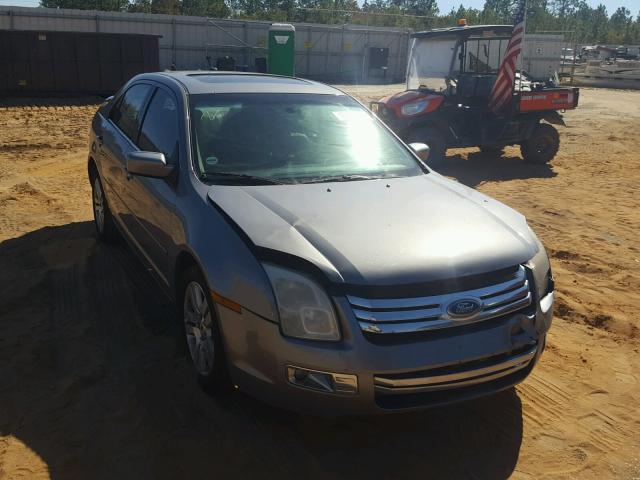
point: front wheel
(436, 142)
(542, 146)
(102, 217)
(202, 331)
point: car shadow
(475, 439)
(96, 384)
(479, 167)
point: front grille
(453, 383)
(455, 376)
(419, 314)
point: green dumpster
(282, 49)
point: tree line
(578, 21)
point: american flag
(503, 88)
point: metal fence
(329, 52)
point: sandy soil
(94, 381)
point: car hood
(382, 232)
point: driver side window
(160, 127)
(127, 114)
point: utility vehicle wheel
(492, 150)
(436, 142)
(103, 220)
(202, 331)
(542, 146)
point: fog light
(327, 382)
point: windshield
(430, 63)
(292, 138)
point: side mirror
(148, 164)
(106, 101)
(421, 150)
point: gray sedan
(317, 262)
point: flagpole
(524, 33)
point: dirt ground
(95, 383)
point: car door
(119, 135)
(153, 200)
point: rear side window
(128, 112)
(160, 127)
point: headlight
(304, 307)
(414, 108)
(541, 268)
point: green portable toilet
(282, 49)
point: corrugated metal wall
(42, 62)
(337, 53)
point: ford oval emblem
(464, 308)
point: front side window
(480, 55)
(430, 63)
(293, 138)
(128, 111)
(159, 131)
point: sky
(612, 5)
(444, 5)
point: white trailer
(542, 54)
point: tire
(492, 150)
(436, 142)
(542, 146)
(202, 332)
(102, 218)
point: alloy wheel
(199, 328)
(98, 204)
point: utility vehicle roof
(488, 31)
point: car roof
(202, 81)
(467, 31)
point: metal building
(327, 52)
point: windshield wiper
(342, 178)
(245, 177)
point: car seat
(467, 86)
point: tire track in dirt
(543, 399)
(603, 431)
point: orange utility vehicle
(450, 76)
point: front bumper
(448, 366)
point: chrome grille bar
(508, 297)
(425, 382)
(397, 316)
(404, 315)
